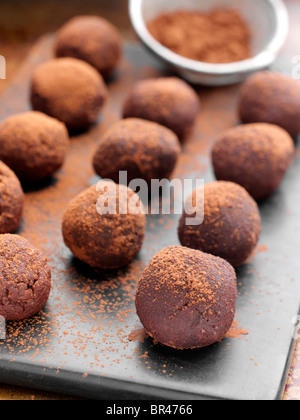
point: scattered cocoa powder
(235, 331)
(259, 249)
(220, 36)
(138, 334)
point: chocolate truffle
(104, 226)
(144, 149)
(231, 225)
(272, 98)
(70, 90)
(11, 200)
(33, 145)
(25, 278)
(255, 156)
(186, 299)
(92, 39)
(168, 101)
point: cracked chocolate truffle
(70, 90)
(144, 149)
(231, 225)
(11, 200)
(255, 156)
(92, 39)
(104, 226)
(272, 98)
(169, 101)
(25, 278)
(186, 299)
(33, 145)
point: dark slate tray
(86, 342)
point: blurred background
(22, 22)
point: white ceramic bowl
(268, 21)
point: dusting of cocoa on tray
(235, 331)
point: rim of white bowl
(259, 61)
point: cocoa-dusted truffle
(11, 200)
(255, 156)
(231, 225)
(92, 39)
(168, 101)
(33, 145)
(70, 90)
(25, 278)
(272, 98)
(104, 226)
(144, 149)
(186, 299)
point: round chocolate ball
(272, 98)
(33, 145)
(11, 200)
(186, 299)
(104, 226)
(169, 101)
(70, 90)
(25, 278)
(92, 39)
(255, 156)
(144, 149)
(231, 225)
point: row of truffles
(66, 94)
(181, 281)
(74, 92)
(249, 163)
(72, 86)
(110, 237)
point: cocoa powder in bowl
(92, 39)
(144, 149)
(219, 36)
(168, 101)
(186, 299)
(33, 145)
(102, 236)
(70, 90)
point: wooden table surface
(21, 24)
